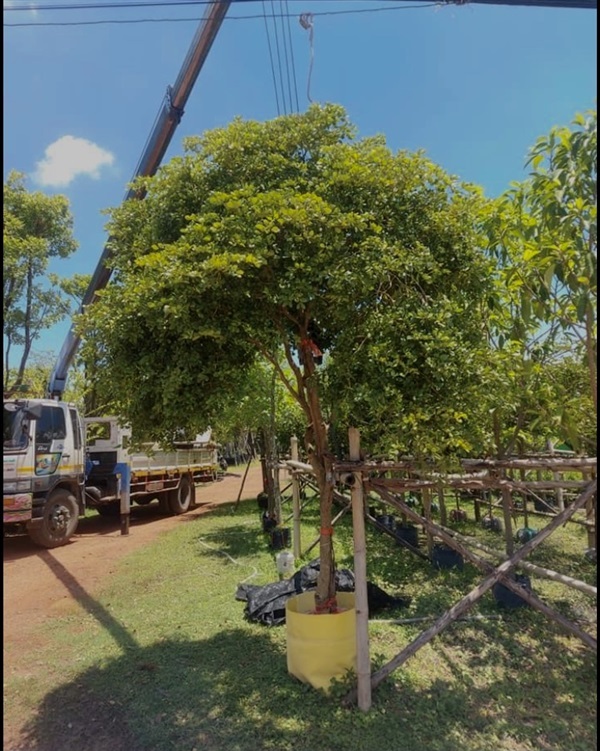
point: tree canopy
(543, 234)
(274, 234)
(37, 228)
(362, 265)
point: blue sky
(472, 85)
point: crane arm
(154, 151)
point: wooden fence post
(506, 508)
(442, 502)
(296, 499)
(426, 498)
(363, 659)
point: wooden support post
(532, 568)
(516, 559)
(442, 502)
(363, 660)
(426, 498)
(506, 509)
(477, 508)
(472, 597)
(559, 493)
(590, 515)
(277, 491)
(296, 500)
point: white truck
(51, 473)
(56, 465)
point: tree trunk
(317, 446)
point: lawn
(163, 660)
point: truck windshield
(15, 434)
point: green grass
(163, 660)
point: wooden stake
(506, 508)
(363, 660)
(532, 568)
(442, 502)
(296, 500)
(472, 597)
(426, 498)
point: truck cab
(43, 469)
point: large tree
(37, 228)
(294, 235)
(544, 233)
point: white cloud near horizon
(67, 158)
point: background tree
(293, 235)
(36, 228)
(35, 377)
(544, 233)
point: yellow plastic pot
(320, 647)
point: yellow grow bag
(320, 647)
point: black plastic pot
(509, 599)
(492, 523)
(263, 501)
(409, 533)
(387, 521)
(280, 538)
(444, 557)
(544, 504)
(268, 523)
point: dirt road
(33, 592)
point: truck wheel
(182, 498)
(61, 515)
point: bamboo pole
(532, 568)
(560, 500)
(426, 498)
(297, 544)
(363, 660)
(442, 502)
(472, 597)
(506, 509)
(590, 515)
(514, 560)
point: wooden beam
(363, 660)
(532, 568)
(472, 597)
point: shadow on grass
(232, 692)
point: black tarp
(266, 603)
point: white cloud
(69, 157)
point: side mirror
(33, 411)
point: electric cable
(271, 58)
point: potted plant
(356, 272)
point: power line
(271, 58)
(286, 57)
(289, 29)
(124, 21)
(278, 55)
(566, 4)
(572, 4)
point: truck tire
(182, 498)
(58, 525)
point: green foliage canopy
(268, 235)
(37, 227)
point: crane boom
(154, 151)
